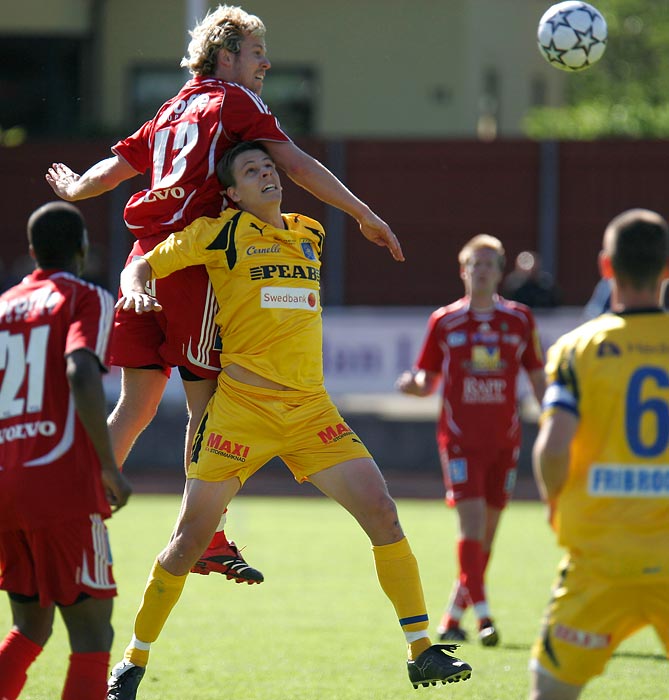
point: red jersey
(181, 146)
(479, 356)
(49, 469)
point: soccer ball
(572, 35)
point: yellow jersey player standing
(601, 461)
(270, 400)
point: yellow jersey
(613, 374)
(267, 284)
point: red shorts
(58, 562)
(483, 472)
(183, 334)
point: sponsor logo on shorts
(625, 480)
(289, 298)
(579, 638)
(24, 431)
(334, 433)
(510, 482)
(218, 445)
(457, 470)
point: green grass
(320, 627)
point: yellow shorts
(245, 426)
(589, 616)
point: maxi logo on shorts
(579, 638)
(333, 433)
(218, 445)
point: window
(150, 86)
(290, 92)
(40, 84)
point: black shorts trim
(188, 376)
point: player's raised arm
(98, 179)
(314, 177)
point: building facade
(379, 68)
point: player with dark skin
(40, 565)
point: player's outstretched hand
(62, 181)
(139, 302)
(376, 230)
(117, 487)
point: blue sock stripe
(411, 620)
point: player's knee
(188, 545)
(134, 415)
(381, 508)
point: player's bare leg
(201, 506)
(197, 394)
(90, 635)
(544, 687)
(359, 487)
(31, 628)
(141, 392)
(221, 556)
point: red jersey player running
(180, 146)
(58, 475)
(476, 347)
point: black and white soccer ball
(572, 35)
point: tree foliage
(625, 94)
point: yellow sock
(160, 596)
(397, 571)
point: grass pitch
(320, 626)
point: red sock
(470, 556)
(486, 559)
(218, 540)
(87, 676)
(462, 599)
(17, 652)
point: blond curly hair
(223, 28)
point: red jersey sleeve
(533, 356)
(91, 323)
(431, 355)
(136, 149)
